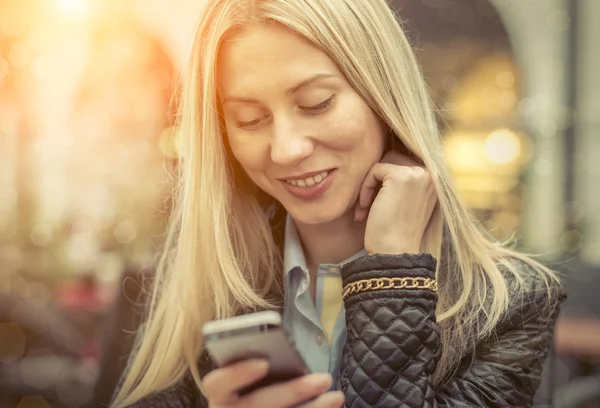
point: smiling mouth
(309, 181)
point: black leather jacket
(393, 346)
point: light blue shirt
(302, 316)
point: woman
(308, 136)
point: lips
(309, 186)
(308, 181)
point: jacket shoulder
(534, 293)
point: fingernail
(320, 380)
(334, 399)
(260, 365)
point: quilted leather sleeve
(393, 342)
(393, 345)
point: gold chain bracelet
(389, 283)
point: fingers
(360, 214)
(334, 399)
(221, 385)
(378, 173)
(290, 393)
(369, 189)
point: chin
(317, 214)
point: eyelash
(319, 107)
(312, 110)
(248, 124)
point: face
(294, 123)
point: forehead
(268, 55)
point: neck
(333, 242)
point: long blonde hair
(220, 256)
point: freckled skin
(261, 63)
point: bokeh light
(503, 146)
(40, 368)
(74, 8)
(42, 235)
(571, 240)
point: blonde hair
(220, 256)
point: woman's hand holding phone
(221, 387)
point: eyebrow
(292, 90)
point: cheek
(251, 154)
(358, 131)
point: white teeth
(310, 181)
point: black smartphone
(256, 335)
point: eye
(248, 123)
(320, 107)
(251, 124)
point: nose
(290, 144)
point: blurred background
(87, 152)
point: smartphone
(256, 335)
